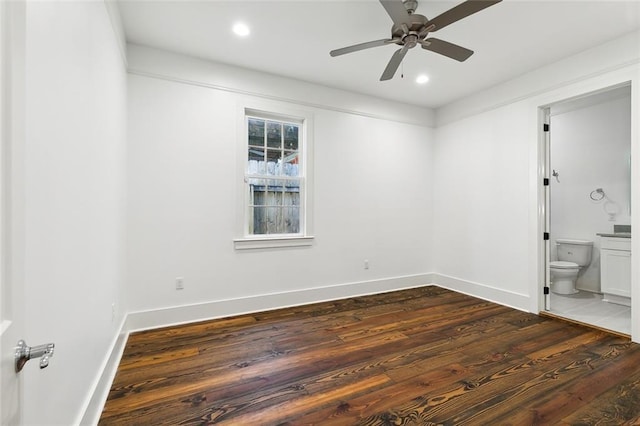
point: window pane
(256, 167)
(290, 167)
(259, 220)
(275, 219)
(274, 155)
(291, 198)
(266, 220)
(256, 132)
(259, 197)
(257, 190)
(252, 167)
(274, 162)
(291, 137)
(256, 154)
(291, 220)
(274, 134)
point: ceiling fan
(411, 29)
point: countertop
(615, 235)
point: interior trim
(492, 294)
(273, 242)
(176, 315)
(99, 391)
(143, 73)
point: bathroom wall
(590, 148)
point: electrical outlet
(366, 264)
(179, 283)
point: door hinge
(545, 236)
(545, 127)
(546, 290)
(545, 181)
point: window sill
(272, 242)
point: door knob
(25, 352)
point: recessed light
(422, 79)
(241, 29)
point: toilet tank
(576, 251)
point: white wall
(150, 62)
(487, 198)
(74, 202)
(590, 148)
(481, 203)
(372, 194)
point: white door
(12, 30)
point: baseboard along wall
(170, 316)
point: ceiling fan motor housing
(415, 25)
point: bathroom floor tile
(619, 322)
(589, 308)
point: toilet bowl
(563, 277)
(572, 256)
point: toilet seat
(561, 264)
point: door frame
(627, 76)
(12, 139)
(545, 146)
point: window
(275, 180)
(273, 177)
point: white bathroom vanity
(615, 268)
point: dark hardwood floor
(426, 356)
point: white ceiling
(293, 39)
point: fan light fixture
(422, 79)
(241, 29)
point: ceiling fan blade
(396, 11)
(394, 63)
(445, 48)
(460, 11)
(361, 46)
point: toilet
(572, 256)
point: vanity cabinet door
(616, 272)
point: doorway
(588, 208)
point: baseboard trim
(165, 317)
(94, 403)
(485, 292)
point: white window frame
(283, 113)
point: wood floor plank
(352, 411)
(421, 356)
(619, 404)
(574, 395)
(326, 379)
